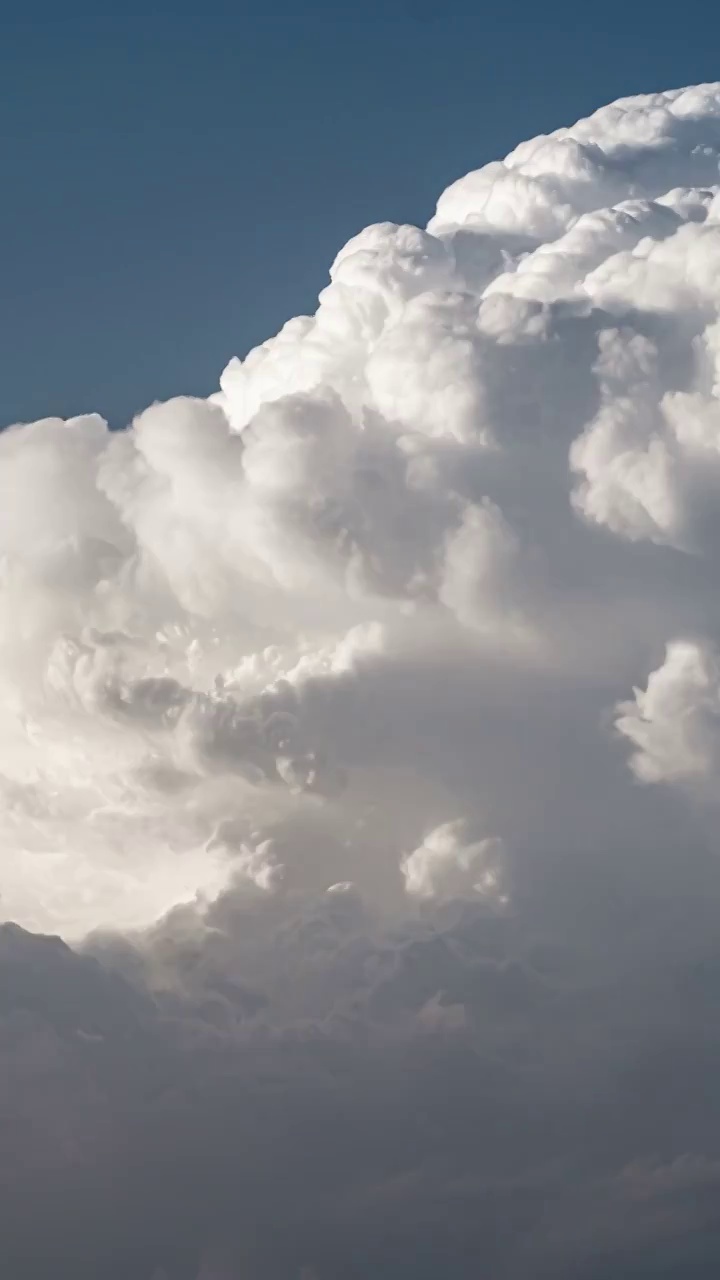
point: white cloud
(323, 708)
(402, 565)
(674, 723)
(450, 863)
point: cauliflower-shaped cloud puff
(402, 565)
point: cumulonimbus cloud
(324, 708)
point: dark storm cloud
(301, 1084)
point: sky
(175, 184)
(360, 701)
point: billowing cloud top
(364, 721)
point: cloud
(324, 705)
(674, 723)
(447, 862)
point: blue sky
(176, 185)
